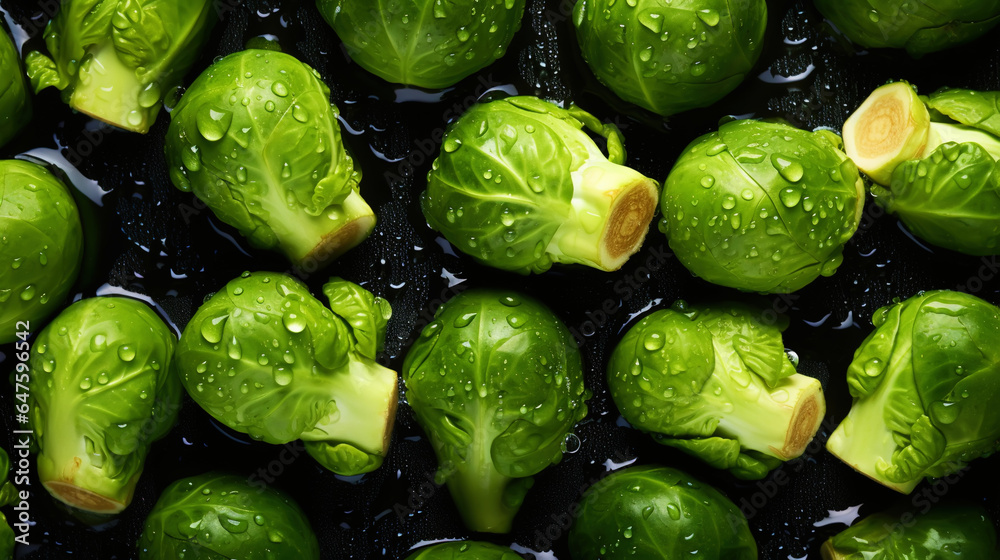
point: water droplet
(279, 89)
(653, 341)
(452, 144)
(651, 21)
(707, 181)
(873, 367)
(28, 293)
(729, 202)
(232, 524)
(213, 123)
(709, 16)
(791, 170)
(300, 114)
(293, 322)
(747, 194)
(464, 320)
(98, 343)
(126, 352)
(790, 196)
(282, 376)
(150, 95)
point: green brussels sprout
(256, 139)
(41, 246)
(426, 43)
(464, 550)
(925, 385)
(762, 206)
(674, 56)
(920, 26)
(496, 381)
(266, 358)
(15, 103)
(518, 185)
(215, 516)
(944, 532)
(8, 496)
(935, 162)
(658, 513)
(116, 59)
(951, 198)
(102, 391)
(716, 383)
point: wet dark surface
(148, 238)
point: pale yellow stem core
(890, 127)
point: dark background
(151, 239)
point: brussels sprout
(951, 198)
(266, 358)
(41, 245)
(256, 139)
(953, 532)
(425, 43)
(8, 496)
(116, 59)
(674, 56)
(715, 382)
(658, 513)
(762, 206)
(518, 185)
(464, 550)
(496, 381)
(939, 161)
(15, 103)
(920, 27)
(925, 384)
(102, 391)
(214, 516)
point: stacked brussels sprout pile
(470, 324)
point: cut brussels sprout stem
(117, 105)
(325, 237)
(613, 206)
(794, 407)
(77, 497)
(890, 127)
(366, 409)
(863, 442)
(353, 222)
